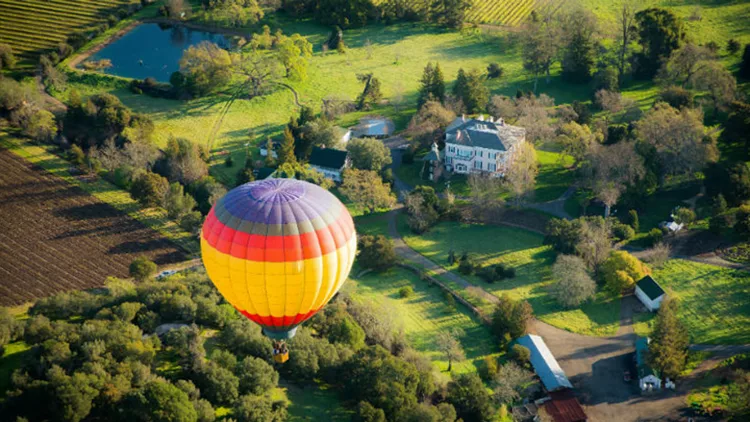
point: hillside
(32, 27)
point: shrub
(657, 255)
(633, 220)
(623, 231)
(466, 265)
(621, 271)
(229, 162)
(406, 292)
(376, 252)
(684, 216)
(520, 354)
(495, 71)
(142, 268)
(655, 236)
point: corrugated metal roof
(544, 363)
(641, 352)
(564, 407)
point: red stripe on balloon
(277, 323)
(255, 247)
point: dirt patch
(56, 237)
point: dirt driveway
(595, 367)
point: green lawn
(372, 224)
(425, 314)
(523, 250)
(11, 360)
(312, 403)
(713, 300)
(155, 218)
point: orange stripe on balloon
(255, 247)
(281, 323)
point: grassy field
(424, 315)
(312, 403)
(155, 218)
(32, 27)
(10, 361)
(713, 301)
(523, 250)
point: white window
(481, 153)
(491, 167)
(447, 160)
(478, 165)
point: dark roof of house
(565, 407)
(327, 157)
(641, 363)
(649, 286)
(485, 134)
(264, 172)
(544, 363)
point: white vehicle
(166, 273)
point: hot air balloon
(278, 250)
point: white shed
(648, 291)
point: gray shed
(544, 363)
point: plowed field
(56, 237)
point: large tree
(469, 396)
(261, 70)
(432, 85)
(609, 170)
(659, 32)
(366, 188)
(626, 31)
(579, 28)
(450, 13)
(470, 89)
(206, 67)
(541, 46)
(573, 284)
(368, 154)
(678, 137)
(737, 126)
(621, 271)
(7, 58)
(449, 345)
(520, 177)
(669, 340)
(684, 64)
(577, 140)
(510, 382)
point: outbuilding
(544, 363)
(650, 293)
(648, 377)
(330, 162)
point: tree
(259, 409)
(677, 97)
(486, 191)
(256, 376)
(368, 154)
(375, 252)
(573, 284)
(611, 169)
(218, 384)
(366, 188)
(719, 83)
(261, 70)
(367, 413)
(177, 202)
(745, 64)
(286, 150)
(448, 344)
(450, 13)
(520, 354)
(7, 58)
(294, 53)
(142, 268)
(371, 93)
(626, 31)
(235, 13)
(577, 140)
(510, 318)
(534, 116)
(595, 241)
(579, 27)
(432, 85)
(428, 125)
(343, 13)
(678, 137)
(540, 48)
(185, 160)
(176, 8)
(510, 382)
(667, 350)
(621, 271)
(470, 398)
(685, 64)
(36, 123)
(159, 401)
(206, 67)
(733, 46)
(470, 89)
(149, 188)
(520, 177)
(684, 215)
(659, 32)
(737, 126)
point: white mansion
(479, 145)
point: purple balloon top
(277, 201)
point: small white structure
(672, 226)
(330, 162)
(650, 293)
(648, 378)
(373, 127)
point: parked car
(165, 273)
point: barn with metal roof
(544, 363)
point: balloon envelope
(278, 250)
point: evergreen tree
(438, 83)
(668, 348)
(270, 161)
(286, 152)
(579, 54)
(660, 32)
(745, 65)
(470, 89)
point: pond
(153, 50)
